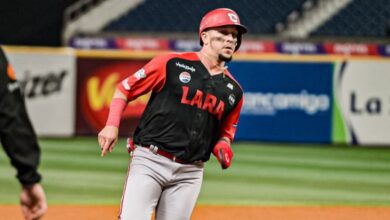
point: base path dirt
(86, 212)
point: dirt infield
(81, 212)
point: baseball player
(193, 112)
(20, 142)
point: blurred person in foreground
(193, 112)
(20, 142)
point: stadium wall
(288, 98)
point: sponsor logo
(100, 91)
(233, 17)
(369, 105)
(43, 84)
(364, 101)
(186, 45)
(89, 43)
(230, 86)
(271, 103)
(387, 49)
(351, 48)
(185, 77)
(297, 48)
(257, 46)
(186, 67)
(141, 43)
(232, 99)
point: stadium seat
(260, 16)
(361, 18)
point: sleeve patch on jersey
(140, 74)
(234, 125)
(232, 99)
(230, 86)
(125, 84)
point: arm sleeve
(229, 125)
(17, 134)
(149, 78)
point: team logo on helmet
(233, 17)
(232, 99)
(185, 77)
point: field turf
(261, 174)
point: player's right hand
(107, 139)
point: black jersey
(16, 132)
(189, 109)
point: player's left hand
(33, 201)
(224, 154)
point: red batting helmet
(222, 17)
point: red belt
(158, 151)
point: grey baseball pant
(156, 183)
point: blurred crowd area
(55, 23)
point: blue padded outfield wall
(285, 101)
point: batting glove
(224, 154)
(130, 145)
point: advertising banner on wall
(48, 80)
(96, 83)
(248, 46)
(363, 93)
(285, 101)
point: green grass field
(261, 174)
